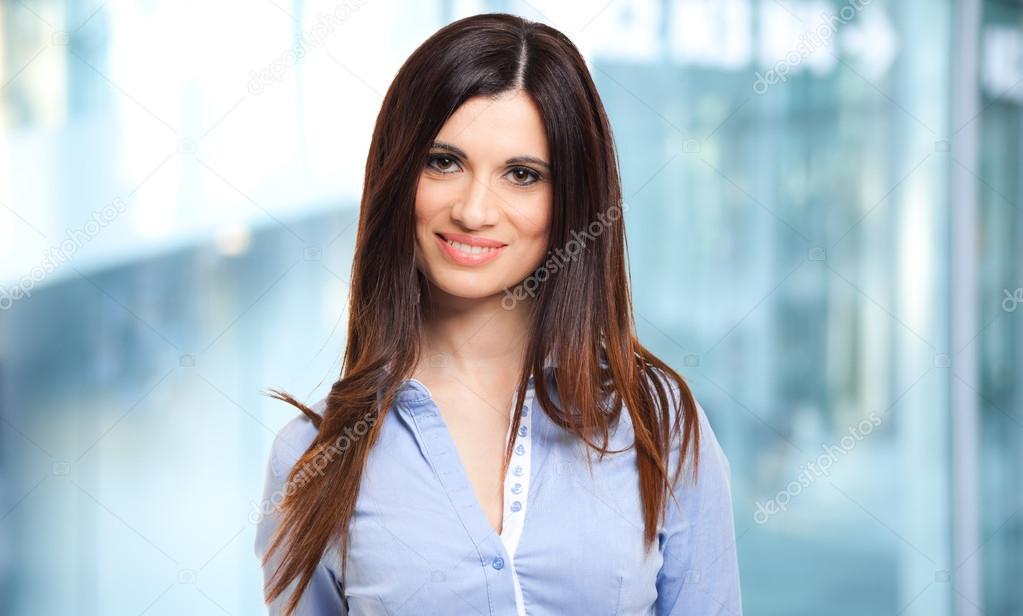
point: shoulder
(292, 440)
(711, 454)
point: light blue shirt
(421, 544)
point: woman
(490, 352)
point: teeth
(471, 250)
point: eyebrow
(440, 145)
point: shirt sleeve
(324, 595)
(700, 569)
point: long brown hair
(581, 313)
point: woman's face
(485, 186)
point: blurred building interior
(825, 238)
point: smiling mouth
(470, 250)
(479, 251)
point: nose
(476, 207)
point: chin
(469, 287)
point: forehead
(505, 126)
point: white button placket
(516, 491)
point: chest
(478, 429)
(421, 540)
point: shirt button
(497, 563)
(516, 506)
(525, 412)
(518, 471)
(516, 488)
(520, 450)
(523, 431)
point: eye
(523, 176)
(442, 163)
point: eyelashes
(433, 160)
(448, 163)
(532, 177)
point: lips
(472, 240)
(468, 250)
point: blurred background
(826, 240)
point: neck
(473, 337)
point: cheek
(425, 200)
(430, 201)
(539, 215)
(424, 210)
(534, 223)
